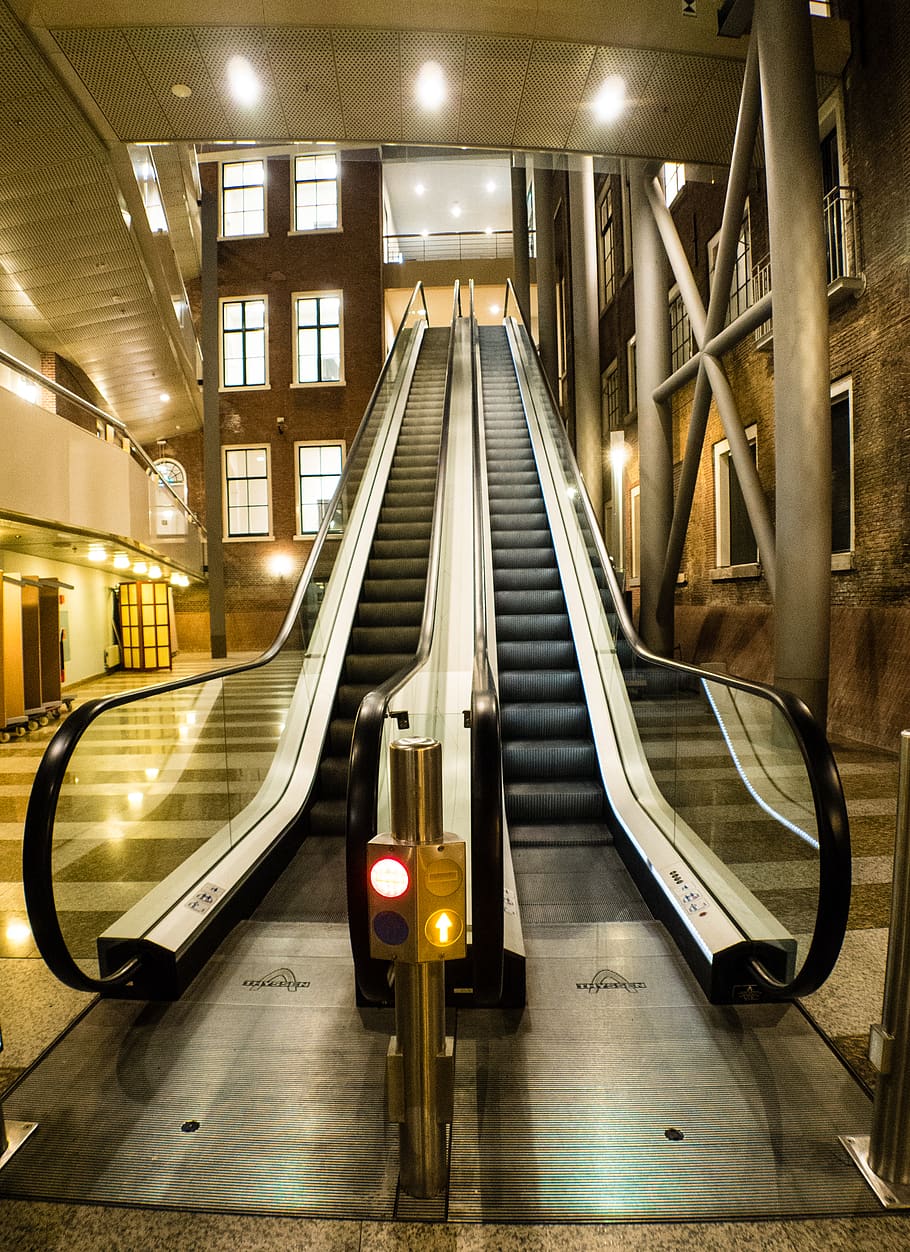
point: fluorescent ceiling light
(456, 210)
(491, 186)
(419, 189)
(611, 99)
(431, 85)
(245, 86)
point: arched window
(168, 519)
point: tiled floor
(115, 848)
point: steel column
(546, 272)
(801, 369)
(586, 329)
(655, 433)
(211, 415)
(521, 252)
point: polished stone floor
(131, 815)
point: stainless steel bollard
(883, 1157)
(417, 920)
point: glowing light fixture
(491, 186)
(97, 554)
(245, 86)
(455, 210)
(488, 230)
(151, 774)
(164, 398)
(389, 878)
(121, 561)
(281, 565)
(154, 571)
(141, 567)
(610, 100)
(424, 233)
(431, 85)
(17, 931)
(135, 798)
(419, 189)
(495, 310)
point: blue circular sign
(390, 928)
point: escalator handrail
(827, 791)
(38, 834)
(487, 936)
(366, 742)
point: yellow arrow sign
(444, 924)
(443, 928)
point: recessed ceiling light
(494, 309)
(431, 85)
(154, 571)
(456, 210)
(491, 186)
(611, 99)
(245, 86)
(488, 230)
(121, 561)
(424, 232)
(419, 189)
(164, 398)
(141, 567)
(181, 91)
(97, 554)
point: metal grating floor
(561, 1110)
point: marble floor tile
(851, 1000)
(34, 1009)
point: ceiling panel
(556, 76)
(448, 51)
(303, 68)
(170, 56)
(218, 46)
(488, 118)
(369, 79)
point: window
(318, 332)
(734, 540)
(680, 331)
(243, 343)
(169, 519)
(673, 177)
(606, 244)
(318, 472)
(741, 282)
(316, 192)
(635, 529)
(631, 385)
(842, 518)
(532, 222)
(820, 8)
(242, 198)
(609, 397)
(246, 493)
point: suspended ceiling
(77, 82)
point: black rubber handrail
(827, 792)
(38, 836)
(487, 918)
(366, 763)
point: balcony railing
(479, 245)
(843, 254)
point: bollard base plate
(16, 1135)
(893, 1195)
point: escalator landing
(561, 1110)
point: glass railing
(147, 791)
(736, 775)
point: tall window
(243, 343)
(680, 331)
(741, 282)
(606, 225)
(318, 472)
(635, 532)
(169, 518)
(842, 467)
(609, 397)
(673, 177)
(735, 541)
(247, 503)
(242, 198)
(631, 385)
(319, 341)
(316, 192)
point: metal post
(586, 329)
(884, 1157)
(546, 272)
(802, 404)
(211, 410)
(521, 251)
(416, 806)
(655, 434)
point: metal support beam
(801, 368)
(655, 433)
(586, 330)
(521, 252)
(546, 272)
(211, 410)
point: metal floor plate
(262, 1091)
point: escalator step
(386, 638)
(556, 720)
(527, 580)
(515, 627)
(409, 568)
(554, 801)
(542, 685)
(389, 613)
(523, 558)
(548, 759)
(374, 668)
(387, 590)
(565, 834)
(537, 654)
(529, 600)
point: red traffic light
(389, 877)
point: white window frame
(263, 186)
(672, 179)
(631, 381)
(611, 398)
(296, 297)
(296, 228)
(722, 468)
(844, 559)
(745, 234)
(244, 300)
(300, 533)
(607, 295)
(677, 359)
(259, 536)
(635, 535)
(162, 502)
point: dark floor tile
(871, 836)
(130, 860)
(10, 860)
(81, 930)
(855, 1051)
(870, 906)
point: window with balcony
(242, 198)
(244, 337)
(247, 493)
(741, 281)
(317, 192)
(318, 471)
(319, 340)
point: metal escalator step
(389, 613)
(349, 696)
(408, 568)
(554, 720)
(515, 627)
(537, 654)
(579, 800)
(505, 538)
(565, 834)
(329, 816)
(377, 590)
(530, 600)
(524, 558)
(539, 760)
(541, 685)
(374, 667)
(518, 579)
(397, 548)
(341, 730)
(385, 638)
(333, 777)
